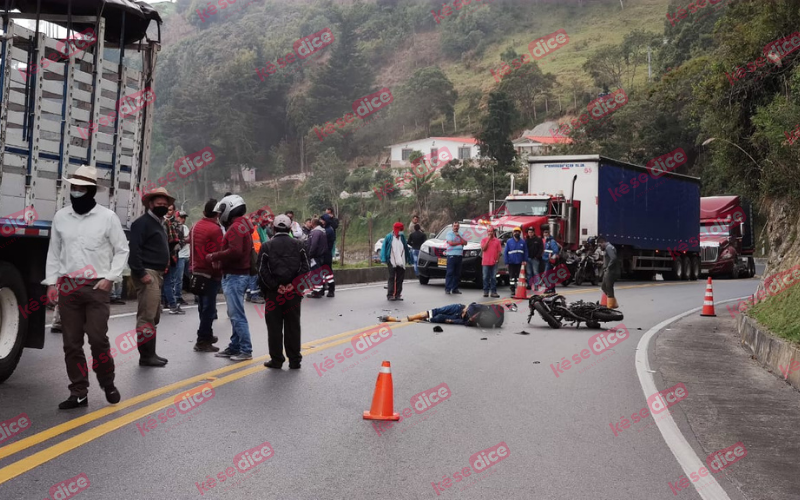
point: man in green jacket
(396, 254)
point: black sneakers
(294, 366)
(112, 395)
(205, 346)
(75, 402)
(273, 364)
(154, 361)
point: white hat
(84, 176)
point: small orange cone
(708, 302)
(383, 400)
(604, 300)
(522, 285)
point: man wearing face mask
(85, 235)
(149, 259)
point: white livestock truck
(59, 100)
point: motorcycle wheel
(595, 276)
(545, 314)
(579, 277)
(607, 315)
(593, 324)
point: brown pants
(86, 310)
(149, 312)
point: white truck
(51, 90)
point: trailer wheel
(13, 326)
(694, 270)
(677, 270)
(685, 268)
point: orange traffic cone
(383, 400)
(604, 300)
(708, 302)
(522, 285)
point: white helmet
(227, 205)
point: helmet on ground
(230, 207)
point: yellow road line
(26, 464)
(52, 432)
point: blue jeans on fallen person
(490, 279)
(234, 287)
(440, 314)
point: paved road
(502, 389)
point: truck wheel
(677, 270)
(423, 280)
(685, 268)
(694, 269)
(13, 326)
(751, 267)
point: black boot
(331, 289)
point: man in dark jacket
(237, 247)
(148, 259)
(330, 233)
(317, 248)
(535, 251)
(282, 262)
(415, 241)
(205, 238)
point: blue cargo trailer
(650, 214)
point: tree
(327, 181)
(426, 95)
(606, 66)
(496, 128)
(524, 85)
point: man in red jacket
(206, 238)
(237, 246)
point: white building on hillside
(460, 148)
(539, 140)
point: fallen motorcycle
(554, 310)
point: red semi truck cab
(537, 210)
(726, 237)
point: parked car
(433, 262)
(376, 250)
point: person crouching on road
(490, 254)
(280, 262)
(85, 235)
(611, 270)
(396, 254)
(235, 256)
(149, 259)
(515, 253)
(317, 248)
(205, 238)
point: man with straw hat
(149, 259)
(86, 238)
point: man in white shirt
(296, 231)
(87, 254)
(183, 258)
(396, 254)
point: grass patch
(779, 314)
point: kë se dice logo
(607, 104)
(21, 219)
(603, 341)
(191, 399)
(548, 43)
(365, 341)
(132, 339)
(666, 163)
(308, 45)
(426, 400)
(662, 400)
(248, 459)
(70, 487)
(490, 456)
(372, 103)
(131, 104)
(312, 280)
(13, 426)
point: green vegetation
(779, 314)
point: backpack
(334, 223)
(283, 263)
(491, 316)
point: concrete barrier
(775, 354)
